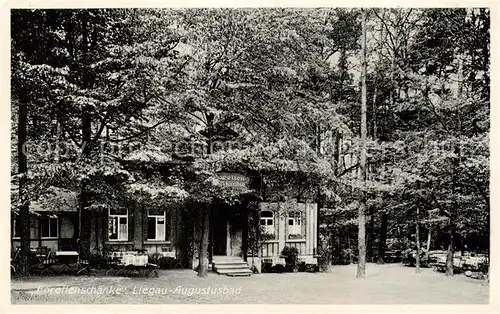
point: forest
(381, 116)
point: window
(294, 223)
(118, 224)
(157, 226)
(49, 227)
(16, 228)
(267, 221)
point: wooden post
(281, 230)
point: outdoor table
(132, 264)
(168, 254)
(115, 261)
(65, 259)
(168, 259)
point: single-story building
(56, 223)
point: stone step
(228, 262)
(226, 258)
(235, 272)
(239, 274)
(231, 266)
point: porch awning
(56, 200)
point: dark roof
(56, 200)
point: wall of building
(67, 229)
(306, 245)
(235, 242)
(66, 232)
(137, 232)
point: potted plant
(291, 256)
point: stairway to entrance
(230, 265)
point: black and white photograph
(259, 155)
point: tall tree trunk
(382, 237)
(485, 16)
(429, 237)
(375, 91)
(449, 255)
(374, 110)
(337, 152)
(361, 271)
(85, 216)
(339, 247)
(24, 212)
(203, 265)
(318, 194)
(349, 247)
(417, 239)
(205, 229)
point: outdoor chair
(85, 266)
(114, 262)
(135, 265)
(41, 261)
(14, 259)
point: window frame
(296, 227)
(14, 225)
(164, 216)
(266, 225)
(118, 216)
(49, 218)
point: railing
(270, 249)
(300, 245)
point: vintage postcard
(273, 154)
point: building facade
(175, 229)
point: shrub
(291, 255)
(267, 267)
(97, 261)
(483, 267)
(323, 256)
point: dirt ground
(385, 284)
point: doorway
(218, 228)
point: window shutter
(303, 223)
(276, 222)
(169, 217)
(130, 225)
(151, 228)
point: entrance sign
(234, 180)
